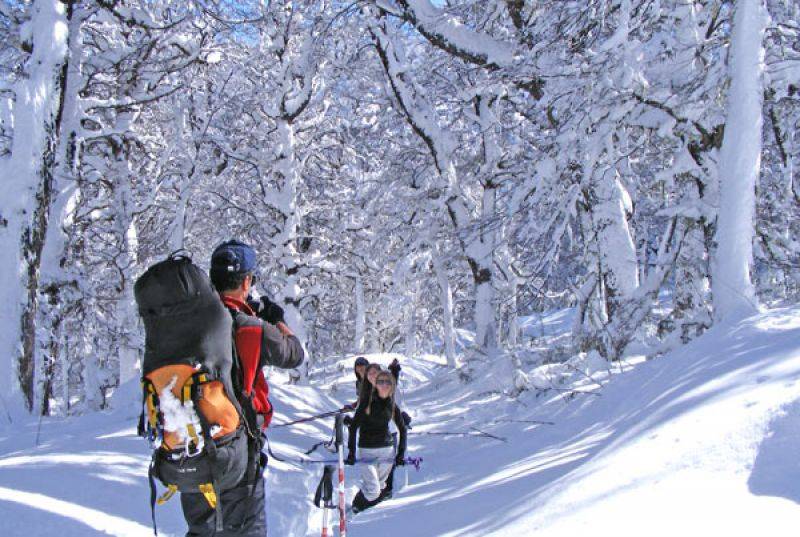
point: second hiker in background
(368, 383)
(359, 369)
(376, 447)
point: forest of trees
(405, 169)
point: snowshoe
(361, 503)
(386, 494)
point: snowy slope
(699, 442)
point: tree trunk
(361, 317)
(740, 164)
(411, 321)
(446, 293)
(26, 201)
(126, 314)
(56, 282)
(287, 254)
(619, 267)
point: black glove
(406, 419)
(400, 460)
(255, 304)
(269, 311)
(347, 420)
(350, 460)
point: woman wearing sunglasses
(375, 443)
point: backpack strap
(151, 477)
(255, 439)
(191, 392)
(150, 425)
(210, 491)
(237, 379)
(141, 429)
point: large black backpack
(188, 364)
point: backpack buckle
(190, 449)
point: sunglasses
(383, 382)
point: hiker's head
(383, 388)
(233, 265)
(384, 384)
(372, 372)
(360, 366)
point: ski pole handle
(339, 430)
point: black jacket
(373, 428)
(364, 389)
(359, 385)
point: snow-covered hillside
(699, 442)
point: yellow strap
(186, 395)
(208, 491)
(171, 490)
(152, 414)
(193, 434)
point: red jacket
(259, 344)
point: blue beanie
(233, 257)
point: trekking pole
(325, 524)
(312, 418)
(340, 445)
(416, 462)
(324, 496)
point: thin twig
(534, 422)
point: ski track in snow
(700, 442)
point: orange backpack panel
(214, 404)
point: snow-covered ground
(702, 441)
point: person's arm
(351, 436)
(279, 347)
(403, 433)
(394, 369)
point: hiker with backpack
(259, 341)
(262, 338)
(205, 400)
(375, 443)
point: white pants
(373, 476)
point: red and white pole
(342, 517)
(342, 500)
(323, 497)
(325, 521)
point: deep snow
(702, 441)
